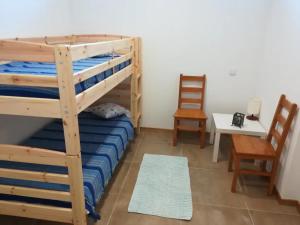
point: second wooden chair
(194, 88)
(253, 148)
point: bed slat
(25, 51)
(92, 71)
(36, 211)
(29, 80)
(35, 193)
(25, 106)
(98, 48)
(26, 154)
(89, 96)
(34, 176)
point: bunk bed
(61, 171)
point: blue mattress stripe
(34, 68)
(91, 190)
(88, 130)
(104, 155)
(100, 156)
(87, 142)
(100, 172)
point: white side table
(221, 124)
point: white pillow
(109, 110)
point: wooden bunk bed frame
(62, 50)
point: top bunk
(38, 74)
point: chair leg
(236, 172)
(202, 124)
(230, 161)
(175, 131)
(272, 178)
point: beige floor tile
(138, 137)
(105, 208)
(212, 215)
(202, 158)
(131, 152)
(192, 138)
(261, 218)
(103, 221)
(119, 176)
(256, 198)
(157, 136)
(156, 148)
(260, 184)
(121, 216)
(131, 179)
(107, 202)
(212, 187)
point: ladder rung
(276, 135)
(281, 120)
(190, 100)
(191, 89)
(192, 78)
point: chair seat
(193, 114)
(252, 146)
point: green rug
(163, 188)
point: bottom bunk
(103, 143)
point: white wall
(30, 18)
(34, 18)
(193, 37)
(280, 73)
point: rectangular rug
(163, 188)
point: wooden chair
(269, 149)
(196, 114)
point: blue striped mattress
(49, 69)
(103, 143)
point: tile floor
(213, 203)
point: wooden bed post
(135, 102)
(71, 131)
(63, 50)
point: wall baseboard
(157, 129)
(283, 201)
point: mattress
(49, 69)
(103, 143)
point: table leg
(216, 147)
(212, 132)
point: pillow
(109, 110)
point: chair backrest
(191, 91)
(281, 123)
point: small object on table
(221, 124)
(253, 109)
(238, 119)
